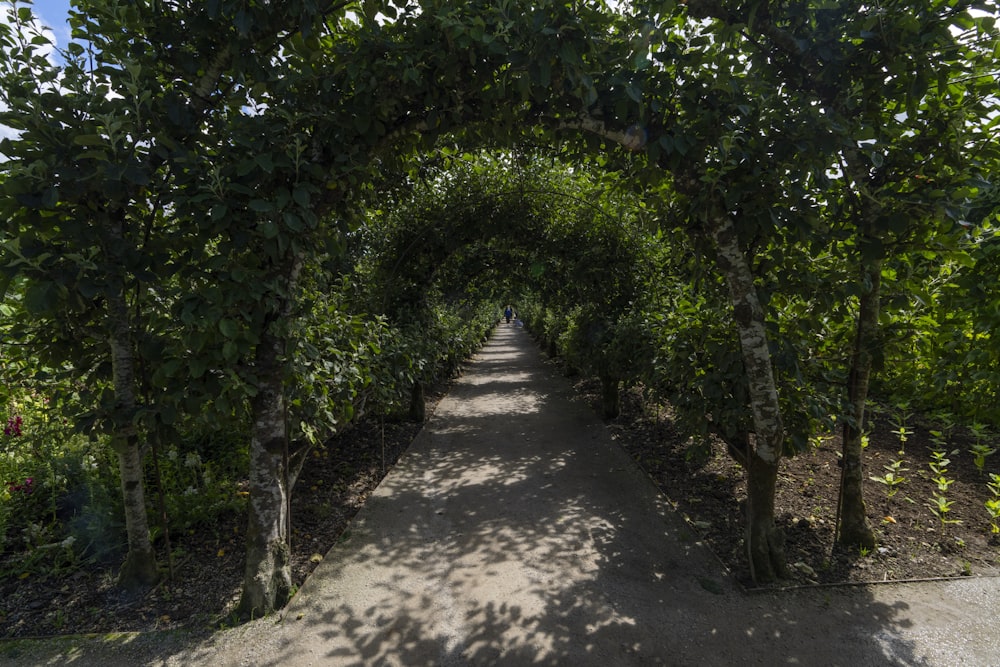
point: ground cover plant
(707, 491)
(202, 591)
(912, 541)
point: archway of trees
(245, 223)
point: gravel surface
(515, 531)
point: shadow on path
(515, 532)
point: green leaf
(40, 299)
(264, 162)
(301, 196)
(136, 175)
(243, 22)
(198, 367)
(50, 197)
(89, 140)
(292, 221)
(229, 328)
(168, 413)
(269, 229)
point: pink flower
(13, 427)
(24, 487)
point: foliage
(329, 203)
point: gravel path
(515, 532)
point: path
(515, 532)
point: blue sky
(54, 14)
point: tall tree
(80, 207)
(901, 96)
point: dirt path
(515, 532)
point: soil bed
(707, 491)
(333, 485)
(912, 543)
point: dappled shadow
(515, 532)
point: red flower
(24, 487)
(13, 426)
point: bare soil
(912, 543)
(206, 583)
(708, 491)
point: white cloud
(32, 29)
(29, 30)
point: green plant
(942, 437)
(939, 468)
(899, 420)
(939, 439)
(892, 479)
(979, 453)
(981, 450)
(979, 431)
(993, 504)
(940, 508)
(940, 505)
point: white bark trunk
(765, 543)
(267, 579)
(139, 569)
(749, 317)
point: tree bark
(765, 543)
(418, 405)
(267, 580)
(854, 529)
(611, 403)
(139, 569)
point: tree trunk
(418, 405)
(611, 403)
(267, 580)
(765, 543)
(139, 569)
(854, 529)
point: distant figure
(508, 313)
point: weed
(939, 467)
(892, 479)
(940, 508)
(979, 431)
(940, 505)
(899, 420)
(942, 437)
(981, 450)
(993, 504)
(979, 453)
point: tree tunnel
(266, 218)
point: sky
(54, 14)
